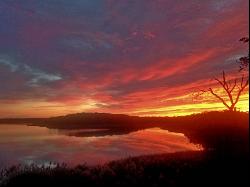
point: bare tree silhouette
(230, 89)
(233, 90)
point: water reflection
(31, 144)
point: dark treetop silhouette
(244, 61)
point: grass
(173, 169)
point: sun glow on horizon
(192, 108)
(48, 109)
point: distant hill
(94, 120)
(88, 120)
(108, 121)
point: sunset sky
(141, 57)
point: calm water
(29, 144)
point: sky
(143, 57)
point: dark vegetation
(216, 131)
(244, 60)
(225, 160)
(175, 169)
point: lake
(22, 144)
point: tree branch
(235, 82)
(222, 100)
(241, 89)
(224, 84)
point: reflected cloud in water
(31, 144)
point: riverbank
(176, 169)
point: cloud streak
(113, 56)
